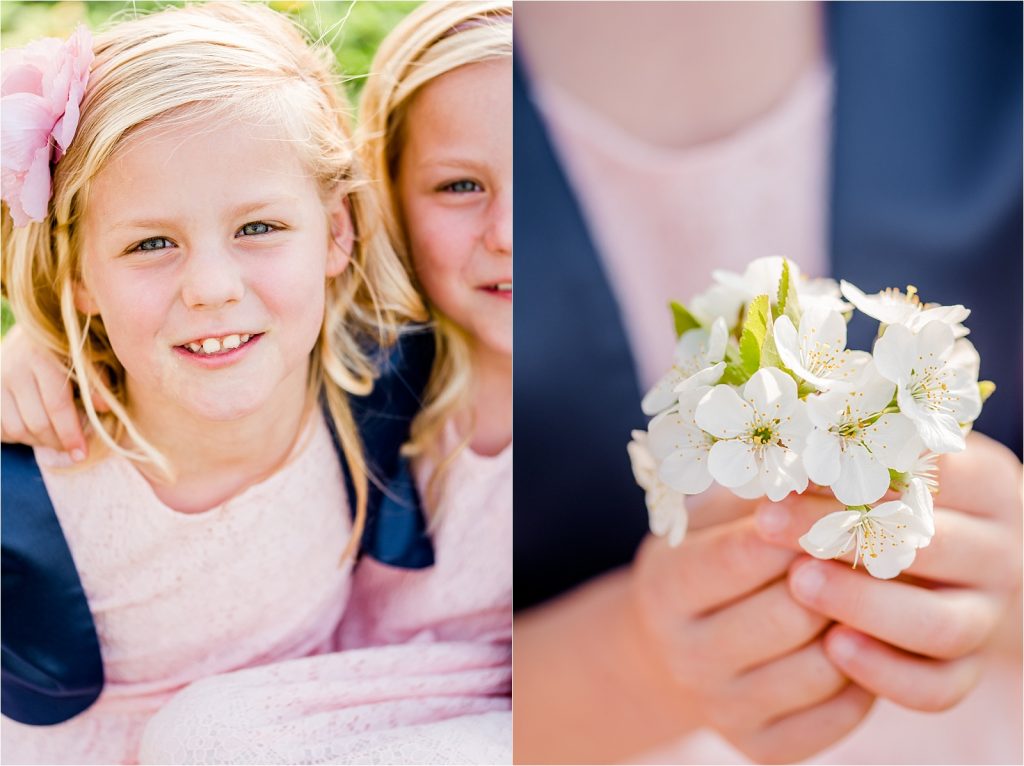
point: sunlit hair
(431, 41)
(200, 65)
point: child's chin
(227, 406)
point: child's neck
(215, 461)
(492, 401)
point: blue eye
(255, 228)
(155, 243)
(462, 187)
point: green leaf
(804, 389)
(770, 353)
(986, 388)
(755, 327)
(898, 482)
(683, 318)
(786, 303)
(734, 373)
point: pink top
(426, 671)
(467, 594)
(663, 219)
(669, 217)
(178, 597)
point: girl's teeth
(216, 345)
(503, 286)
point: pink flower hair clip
(42, 88)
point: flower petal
(709, 376)
(686, 470)
(935, 341)
(831, 535)
(949, 315)
(732, 463)
(782, 472)
(887, 438)
(641, 460)
(873, 391)
(940, 432)
(717, 341)
(862, 479)
(723, 413)
(662, 394)
(752, 490)
(920, 501)
(821, 457)
(879, 306)
(894, 352)
(25, 123)
(35, 190)
(771, 391)
(889, 561)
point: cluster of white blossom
(764, 396)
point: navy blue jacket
(51, 664)
(925, 190)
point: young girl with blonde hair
(209, 266)
(425, 671)
(436, 137)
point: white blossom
(666, 508)
(697, 361)
(718, 301)
(892, 306)
(762, 277)
(680, 446)
(918, 498)
(934, 388)
(854, 444)
(760, 435)
(885, 537)
(818, 353)
(821, 293)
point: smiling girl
(209, 266)
(425, 671)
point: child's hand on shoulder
(38, 404)
(916, 640)
(716, 616)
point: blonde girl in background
(209, 266)
(424, 675)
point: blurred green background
(352, 29)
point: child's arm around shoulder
(38, 403)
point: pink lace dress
(425, 671)
(180, 597)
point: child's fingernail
(772, 519)
(77, 455)
(843, 646)
(808, 580)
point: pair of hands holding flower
(785, 654)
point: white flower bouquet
(764, 396)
